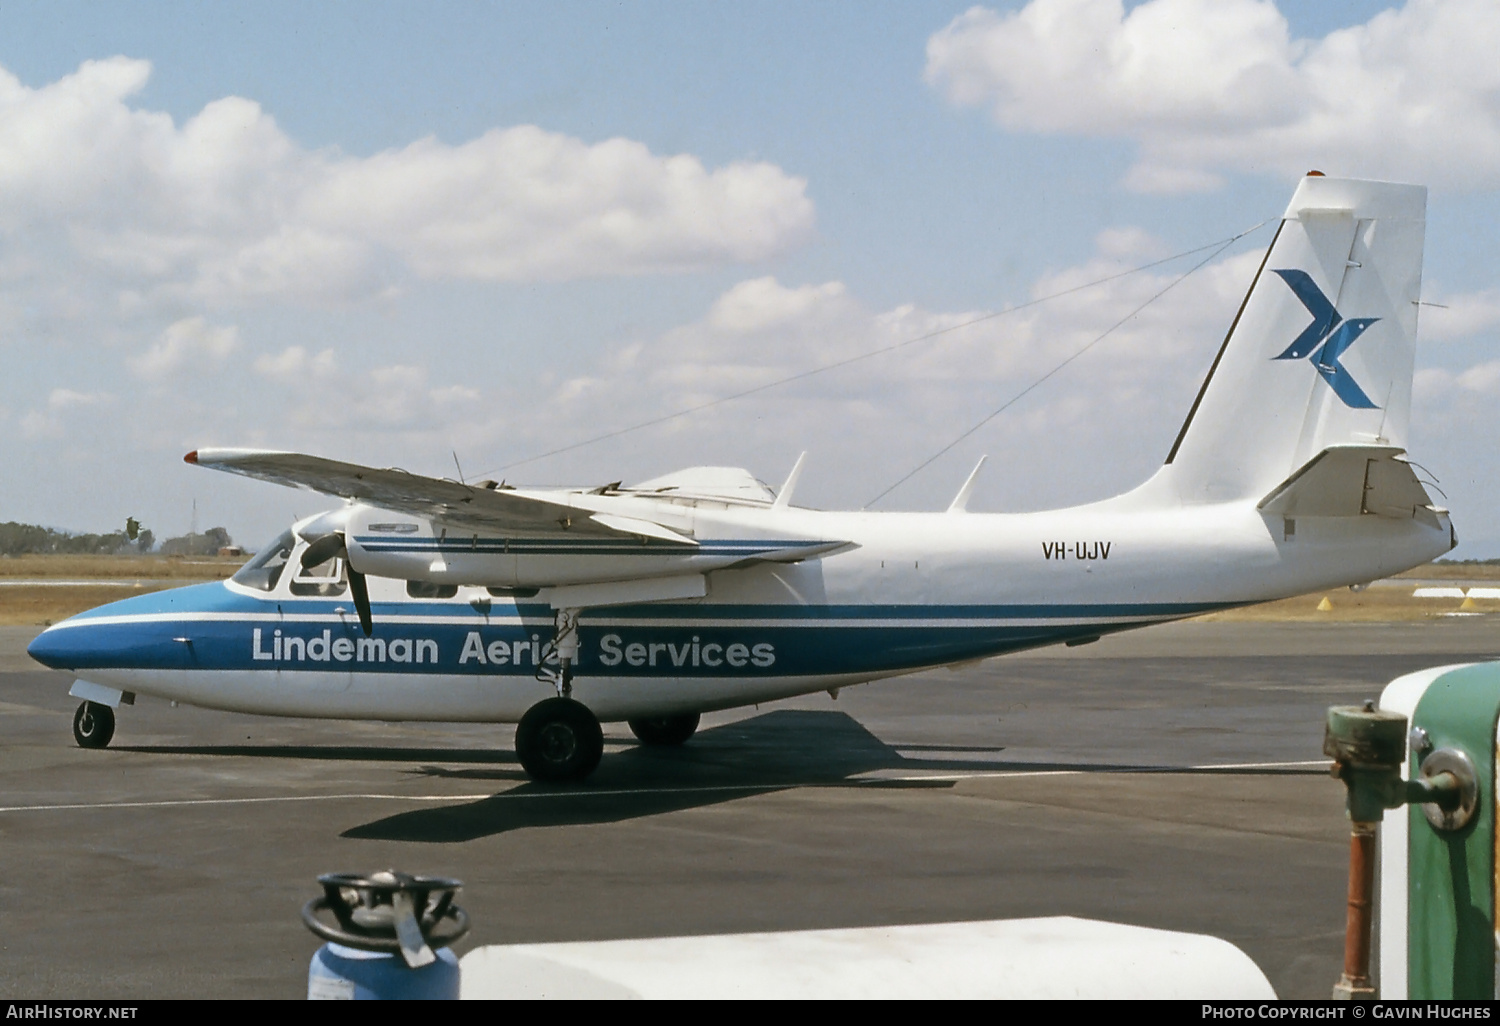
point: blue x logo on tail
(1326, 338)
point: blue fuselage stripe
(209, 627)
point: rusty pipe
(1355, 983)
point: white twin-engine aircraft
(426, 599)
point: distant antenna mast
(193, 526)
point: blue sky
(880, 202)
(918, 199)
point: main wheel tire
(93, 725)
(559, 739)
(665, 731)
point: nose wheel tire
(559, 740)
(665, 731)
(93, 725)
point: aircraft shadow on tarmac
(774, 751)
(766, 753)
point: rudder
(1322, 350)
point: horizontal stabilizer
(729, 484)
(1350, 480)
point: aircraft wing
(500, 510)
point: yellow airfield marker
(1325, 606)
(1468, 603)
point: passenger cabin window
(324, 580)
(265, 569)
(427, 589)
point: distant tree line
(26, 539)
(206, 544)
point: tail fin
(1321, 351)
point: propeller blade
(361, 596)
(324, 549)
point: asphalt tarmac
(1169, 778)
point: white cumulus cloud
(869, 421)
(327, 397)
(189, 344)
(294, 365)
(226, 207)
(1204, 86)
(62, 407)
(1461, 315)
(1436, 384)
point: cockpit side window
(265, 569)
(326, 579)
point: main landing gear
(93, 725)
(665, 731)
(559, 739)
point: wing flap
(627, 593)
(644, 528)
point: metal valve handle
(389, 912)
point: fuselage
(905, 592)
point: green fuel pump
(1368, 747)
(1422, 767)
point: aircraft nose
(56, 647)
(141, 632)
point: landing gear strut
(559, 739)
(565, 644)
(93, 725)
(665, 731)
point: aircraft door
(321, 634)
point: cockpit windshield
(265, 569)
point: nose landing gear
(93, 725)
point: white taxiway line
(172, 803)
(1123, 770)
(176, 802)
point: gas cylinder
(389, 939)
